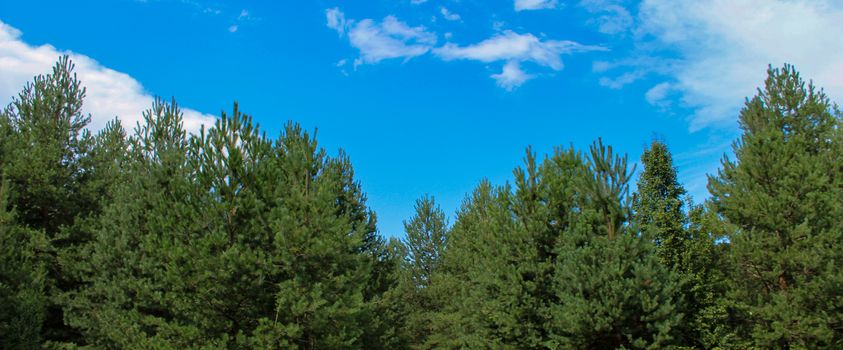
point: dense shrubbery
(154, 238)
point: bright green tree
(426, 234)
(782, 201)
(424, 243)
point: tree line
(156, 238)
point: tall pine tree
(782, 200)
(426, 237)
(683, 245)
(55, 171)
(611, 290)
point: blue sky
(433, 96)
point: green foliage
(228, 239)
(658, 204)
(684, 244)
(426, 235)
(781, 202)
(612, 292)
(554, 263)
(423, 247)
(23, 302)
(57, 174)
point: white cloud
(233, 28)
(511, 76)
(109, 93)
(513, 46)
(724, 47)
(418, 2)
(336, 20)
(243, 15)
(612, 17)
(448, 15)
(622, 80)
(391, 38)
(658, 95)
(521, 5)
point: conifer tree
(658, 204)
(23, 299)
(55, 181)
(227, 239)
(781, 199)
(683, 245)
(612, 292)
(426, 234)
(528, 267)
(423, 246)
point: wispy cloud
(243, 17)
(714, 53)
(109, 93)
(510, 45)
(448, 15)
(611, 17)
(392, 38)
(378, 41)
(522, 5)
(515, 48)
(336, 20)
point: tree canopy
(153, 237)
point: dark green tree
(611, 290)
(553, 263)
(658, 205)
(683, 243)
(781, 201)
(23, 298)
(228, 239)
(56, 172)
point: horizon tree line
(156, 238)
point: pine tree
(527, 267)
(683, 245)
(658, 205)
(23, 298)
(426, 234)
(54, 168)
(426, 237)
(781, 200)
(227, 239)
(611, 290)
